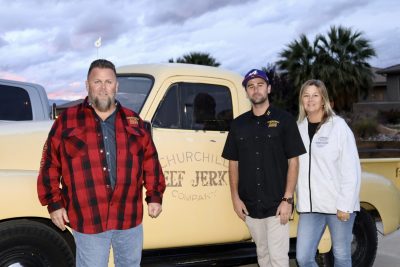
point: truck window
(133, 91)
(195, 106)
(15, 104)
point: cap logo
(255, 72)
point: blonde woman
(329, 177)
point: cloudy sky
(51, 42)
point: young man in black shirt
(262, 147)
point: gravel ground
(383, 137)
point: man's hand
(59, 218)
(240, 208)
(154, 209)
(284, 211)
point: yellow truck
(189, 109)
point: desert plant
(364, 127)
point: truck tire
(365, 240)
(364, 244)
(32, 244)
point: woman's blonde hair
(328, 111)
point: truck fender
(382, 194)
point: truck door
(190, 125)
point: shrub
(364, 127)
(390, 116)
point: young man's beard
(258, 101)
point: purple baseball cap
(254, 73)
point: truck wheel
(365, 240)
(364, 244)
(30, 244)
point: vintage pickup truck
(189, 108)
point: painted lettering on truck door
(190, 125)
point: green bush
(364, 127)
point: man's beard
(259, 100)
(102, 105)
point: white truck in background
(22, 101)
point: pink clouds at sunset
(52, 43)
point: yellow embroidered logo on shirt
(272, 123)
(132, 120)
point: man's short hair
(102, 64)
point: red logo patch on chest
(133, 120)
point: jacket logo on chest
(272, 123)
(322, 141)
(132, 120)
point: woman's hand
(343, 216)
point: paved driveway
(388, 254)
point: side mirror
(53, 111)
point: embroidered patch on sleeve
(43, 160)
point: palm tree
(339, 59)
(283, 94)
(298, 60)
(342, 64)
(198, 58)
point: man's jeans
(310, 229)
(94, 249)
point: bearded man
(96, 159)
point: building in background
(385, 92)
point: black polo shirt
(262, 145)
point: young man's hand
(240, 208)
(284, 211)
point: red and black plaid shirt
(74, 157)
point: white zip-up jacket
(330, 171)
